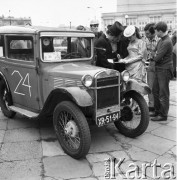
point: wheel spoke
(78, 139)
(61, 119)
(73, 143)
(61, 124)
(65, 118)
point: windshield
(64, 48)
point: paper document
(110, 61)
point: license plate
(105, 119)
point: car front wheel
(72, 129)
(134, 118)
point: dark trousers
(150, 81)
(161, 90)
(174, 64)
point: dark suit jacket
(122, 46)
(77, 46)
(104, 52)
(122, 51)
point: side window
(2, 46)
(20, 47)
(20, 44)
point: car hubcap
(71, 129)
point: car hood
(73, 70)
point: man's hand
(122, 61)
(118, 56)
(152, 54)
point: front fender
(79, 96)
(140, 87)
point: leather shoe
(153, 114)
(159, 118)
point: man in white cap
(94, 24)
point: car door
(20, 71)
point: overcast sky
(56, 12)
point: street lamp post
(9, 18)
(126, 18)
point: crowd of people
(151, 59)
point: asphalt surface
(29, 150)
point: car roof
(36, 29)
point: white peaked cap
(94, 22)
(129, 31)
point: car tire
(6, 100)
(128, 120)
(72, 129)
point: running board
(25, 112)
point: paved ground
(29, 150)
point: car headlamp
(87, 80)
(125, 75)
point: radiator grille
(108, 96)
(107, 81)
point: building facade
(4, 21)
(141, 12)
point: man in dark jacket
(173, 38)
(163, 73)
(103, 46)
(122, 45)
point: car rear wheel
(72, 129)
(6, 101)
(134, 118)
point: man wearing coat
(103, 46)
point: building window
(155, 19)
(131, 21)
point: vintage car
(44, 72)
